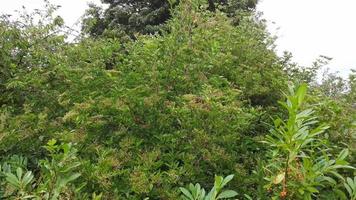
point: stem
(286, 176)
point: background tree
(145, 16)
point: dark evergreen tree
(127, 17)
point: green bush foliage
(107, 119)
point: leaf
(227, 179)
(19, 173)
(29, 197)
(218, 181)
(337, 175)
(70, 167)
(186, 193)
(279, 178)
(211, 194)
(301, 191)
(12, 180)
(330, 180)
(202, 194)
(191, 186)
(301, 92)
(348, 188)
(74, 176)
(66, 180)
(51, 142)
(192, 189)
(27, 178)
(340, 194)
(227, 194)
(248, 197)
(312, 189)
(343, 154)
(172, 2)
(350, 182)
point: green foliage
(195, 192)
(58, 172)
(51, 182)
(300, 74)
(350, 186)
(20, 182)
(25, 45)
(139, 119)
(129, 17)
(301, 162)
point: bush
(142, 118)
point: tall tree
(127, 17)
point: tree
(24, 44)
(145, 16)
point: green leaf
(227, 194)
(29, 197)
(340, 194)
(51, 142)
(12, 180)
(27, 178)
(19, 173)
(348, 188)
(351, 183)
(227, 180)
(218, 181)
(186, 193)
(312, 189)
(248, 197)
(343, 154)
(301, 92)
(72, 178)
(328, 179)
(337, 175)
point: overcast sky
(71, 10)
(307, 28)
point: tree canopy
(146, 16)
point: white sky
(70, 11)
(307, 28)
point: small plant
(350, 186)
(15, 179)
(55, 175)
(20, 182)
(301, 164)
(196, 192)
(60, 170)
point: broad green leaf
(12, 179)
(19, 173)
(343, 154)
(301, 92)
(186, 193)
(312, 189)
(348, 188)
(218, 181)
(227, 179)
(227, 194)
(27, 178)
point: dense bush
(106, 119)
